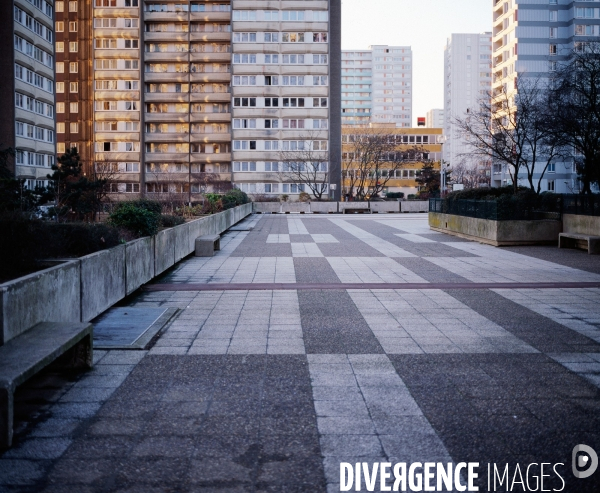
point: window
(553, 49)
(60, 87)
(131, 43)
(73, 87)
(319, 102)
(292, 15)
(293, 102)
(292, 37)
(271, 15)
(60, 67)
(73, 47)
(551, 168)
(59, 27)
(73, 67)
(60, 47)
(245, 37)
(244, 123)
(553, 31)
(319, 80)
(245, 15)
(287, 123)
(244, 80)
(132, 64)
(243, 58)
(74, 128)
(240, 102)
(271, 80)
(244, 145)
(320, 16)
(321, 124)
(132, 187)
(319, 37)
(551, 185)
(131, 22)
(60, 147)
(60, 6)
(319, 59)
(72, 6)
(271, 59)
(72, 27)
(271, 123)
(271, 102)
(60, 128)
(553, 15)
(74, 107)
(244, 166)
(293, 59)
(293, 80)
(271, 37)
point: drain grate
(129, 328)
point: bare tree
(307, 163)
(575, 108)
(371, 159)
(513, 128)
(167, 187)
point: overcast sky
(422, 24)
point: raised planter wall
(584, 225)
(497, 233)
(81, 289)
(338, 207)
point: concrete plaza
(311, 340)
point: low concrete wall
(324, 207)
(139, 263)
(51, 294)
(385, 207)
(497, 233)
(414, 206)
(102, 281)
(79, 290)
(584, 225)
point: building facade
(377, 86)
(434, 118)
(194, 96)
(530, 37)
(28, 88)
(467, 80)
(420, 145)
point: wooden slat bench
(575, 240)
(207, 245)
(33, 350)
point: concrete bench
(357, 210)
(207, 245)
(575, 240)
(28, 353)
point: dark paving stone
(332, 324)
(577, 259)
(255, 244)
(429, 271)
(531, 418)
(538, 331)
(314, 269)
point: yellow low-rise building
(409, 148)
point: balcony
(166, 97)
(166, 36)
(210, 97)
(199, 138)
(117, 95)
(210, 77)
(166, 77)
(210, 37)
(128, 116)
(165, 137)
(221, 17)
(166, 117)
(209, 57)
(210, 117)
(117, 136)
(217, 157)
(166, 56)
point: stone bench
(207, 245)
(28, 353)
(575, 240)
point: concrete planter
(81, 289)
(579, 224)
(497, 233)
(414, 206)
(50, 294)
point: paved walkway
(315, 340)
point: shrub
(394, 195)
(150, 205)
(303, 197)
(168, 221)
(411, 196)
(137, 220)
(234, 197)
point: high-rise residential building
(529, 38)
(188, 97)
(74, 79)
(434, 118)
(377, 85)
(357, 83)
(27, 88)
(467, 81)
(285, 93)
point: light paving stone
(356, 412)
(306, 250)
(296, 226)
(382, 246)
(372, 270)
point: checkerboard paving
(277, 371)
